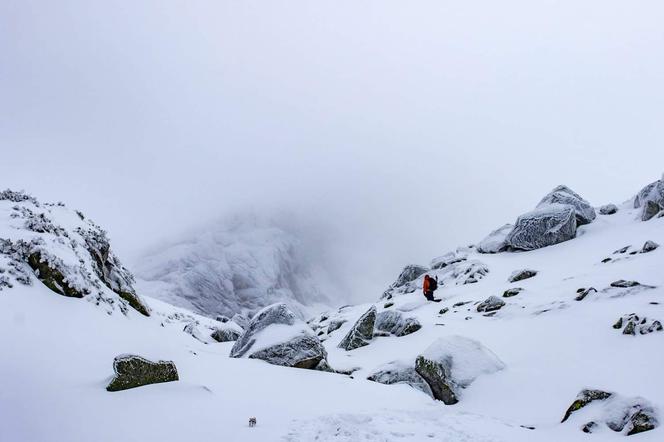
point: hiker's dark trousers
(429, 295)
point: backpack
(433, 284)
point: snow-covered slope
(543, 347)
(233, 267)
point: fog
(389, 132)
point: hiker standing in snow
(429, 286)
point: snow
(57, 356)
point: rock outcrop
(278, 337)
(133, 371)
(548, 225)
(632, 324)
(520, 275)
(453, 363)
(491, 304)
(362, 331)
(608, 209)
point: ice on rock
(452, 363)
(608, 209)
(400, 372)
(548, 225)
(277, 336)
(495, 242)
(362, 331)
(394, 322)
(585, 213)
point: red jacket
(425, 286)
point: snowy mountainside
(234, 267)
(571, 347)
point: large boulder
(362, 331)
(491, 304)
(394, 322)
(277, 336)
(133, 371)
(495, 241)
(400, 372)
(584, 212)
(226, 334)
(410, 273)
(545, 226)
(452, 363)
(650, 209)
(652, 192)
(520, 275)
(608, 209)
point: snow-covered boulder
(495, 241)
(585, 213)
(448, 259)
(227, 332)
(608, 209)
(410, 273)
(649, 246)
(394, 322)
(652, 192)
(279, 337)
(241, 320)
(520, 275)
(400, 372)
(362, 331)
(491, 304)
(650, 210)
(68, 253)
(633, 323)
(133, 371)
(452, 363)
(621, 414)
(545, 226)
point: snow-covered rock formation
(235, 267)
(62, 249)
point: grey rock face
(495, 241)
(335, 325)
(452, 363)
(649, 246)
(302, 350)
(608, 209)
(133, 371)
(520, 275)
(492, 303)
(241, 320)
(621, 283)
(583, 292)
(650, 209)
(393, 322)
(225, 335)
(584, 212)
(362, 332)
(545, 226)
(400, 373)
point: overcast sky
(393, 131)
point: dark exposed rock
(653, 192)
(633, 323)
(512, 292)
(545, 226)
(649, 246)
(624, 284)
(492, 303)
(444, 310)
(583, 292)
(642, 420)
(223, 319)
(134, 371)
(584, 212)
(589, 427)
(304, 351)
(52, 277)
(361, 333)
(608, 209)
(520, 275)
(410, 273)
(388, 305)
(334, 325)
(584, 398)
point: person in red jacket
(428, 287)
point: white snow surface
(57, 356)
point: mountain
(556, 333)
(235, 266)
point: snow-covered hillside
(517, 336)
(237, 266)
